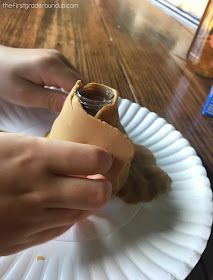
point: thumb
(40, 97)
(53, 100)
(65, 77)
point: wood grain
(135, 47)
(157, 80)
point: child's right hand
(44, 189)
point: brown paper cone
(76, 125)
(134, 174)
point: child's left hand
(25, 72)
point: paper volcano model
(90, 116)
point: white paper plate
(159, 240)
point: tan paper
(74, 124)
(134, 175)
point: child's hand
(44, 188)
(25, 72)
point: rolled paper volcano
(90, 116)
(101, 128)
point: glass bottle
(200, 54)
(93, 99)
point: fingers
(36, 95)
(67, 158)
(52, 69)
(40, 97)
(60, 73)
(65, 77)
(36, 239)
(68, 74)
(78, 193)
(47, 235)
(56, 222)
(53, 218)
(52, 100)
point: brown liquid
(93, 99)
(94, 95)
(90, 111)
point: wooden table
(133, 46)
